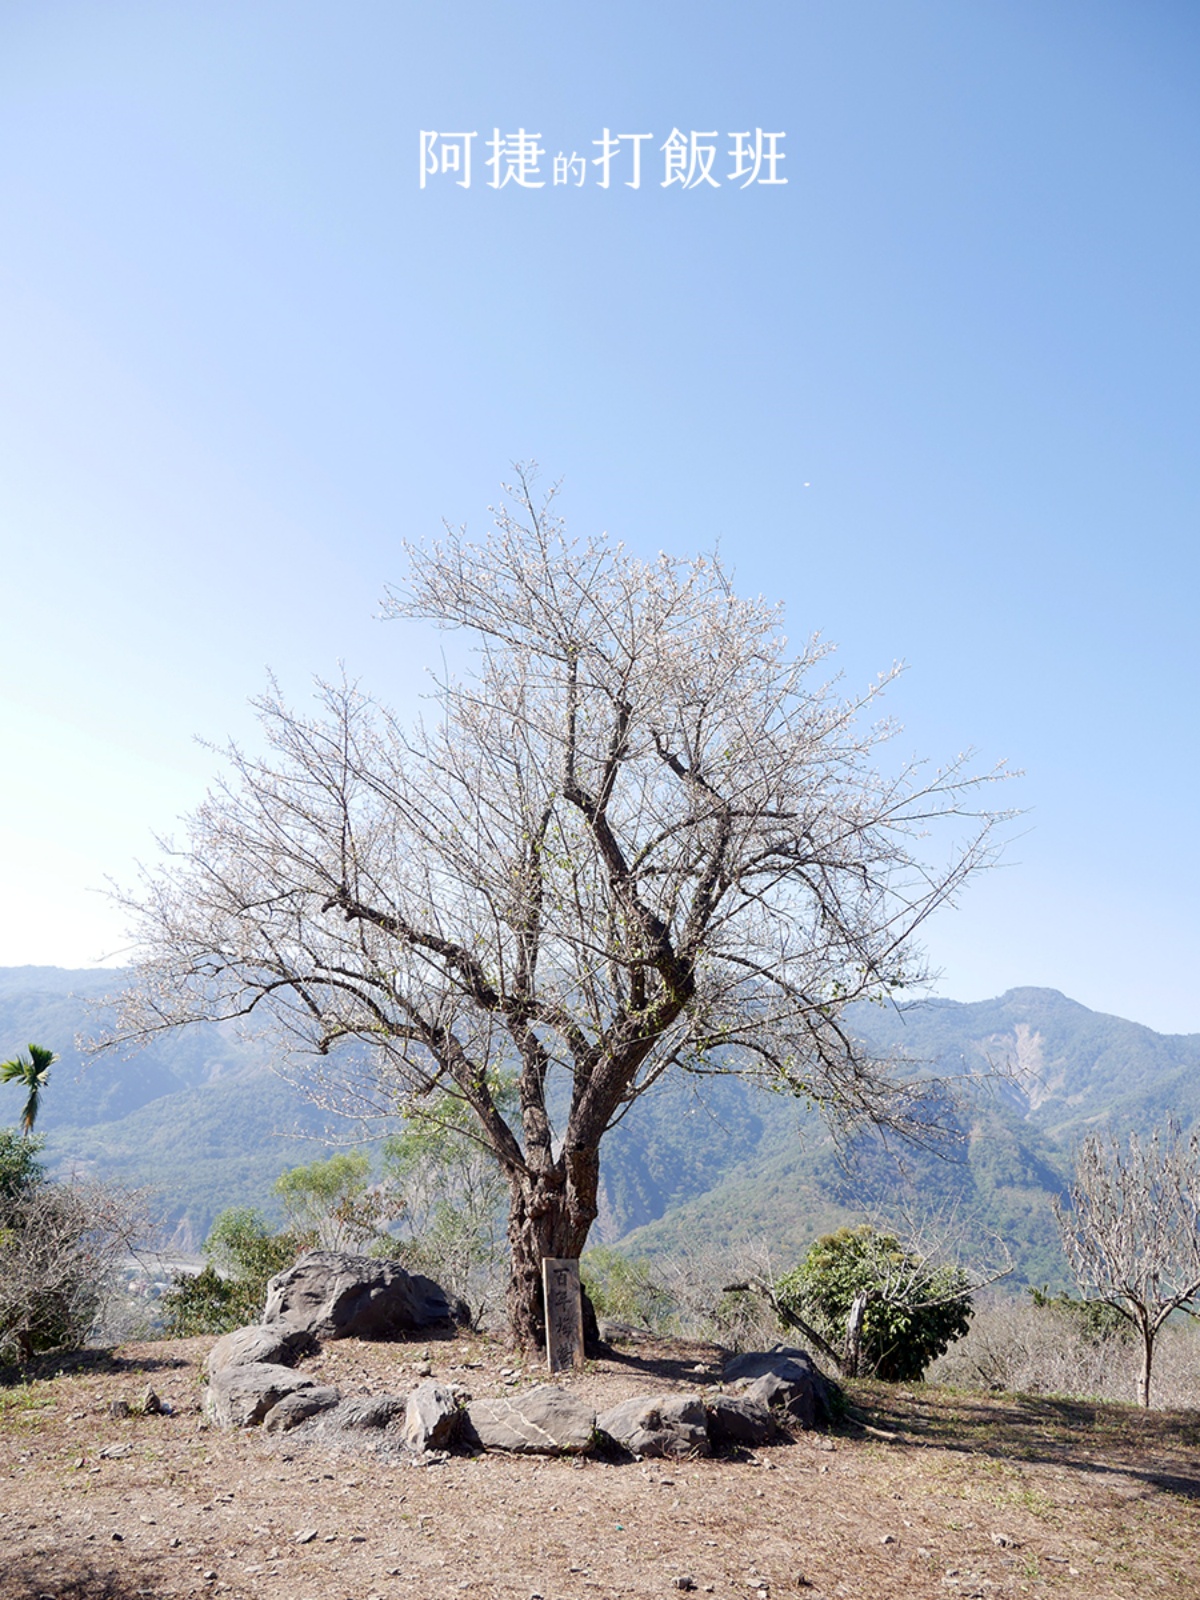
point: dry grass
(951, 1494)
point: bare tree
(1132, 1230)
(638, 838)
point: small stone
(424, 1369)
(173, 1544)
(208, 1576)
(685, 1581)
(888, 1538)
(119, 1408)
(114, 1452)
(151, 1404)
(1003, 1541)
(305, 1535)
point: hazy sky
(938, 392)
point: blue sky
(938, 393)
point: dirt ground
(940, 1493)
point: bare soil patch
(917, 1492)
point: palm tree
(34, 1073)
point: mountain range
(698, 1164)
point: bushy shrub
(243, 1252)
(912, 1309)
(59, 1246)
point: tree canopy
(643, 835)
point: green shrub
(625, 1290)
(243, 1254)
(334, 1204)
(20, 1169)
(913, 1309)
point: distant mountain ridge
(699, 1162)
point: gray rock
(431, 1418)
(659, 1425)
(738, 1420)
(545, 1420)
(786, 1379)
(368, 1411)
(613, 1332)
(281, 1347)
(334, 1295)
(298, 1407)
(240, 1397)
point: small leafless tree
(641, 837)
(1132, 1230)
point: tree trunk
(550, 1214)
(1143, 1383)
(852, 1361)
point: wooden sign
(564, 1314)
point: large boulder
(240, 1396)
(334, 1295)
(659, 1425)
(784, 1379)
(280, 1346)
(738, 1421)
(542, 1421)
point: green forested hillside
(1049, 1071)
(699, 1162)
(198, 1116)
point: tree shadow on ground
(30, 1578)
(71, 1363)
(675, 1362)
(1158, 1448)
